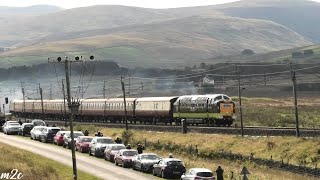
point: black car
(48, 133)
(25, 129)
(144, 162)
(169, 167)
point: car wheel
(90, 152)
(44, 140)
(123, 165)
(163, 175)
(154, 172)
(81, 150)
(115, 162)
(141, 168)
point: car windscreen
(39, 123)
(53, 130)
(28, 125)
(151, 157)
(75, 135)
(174, 163)
(130, 153)
(205, 174)
(86, 140)
(117, 147)
(105, 141)
(14, 124)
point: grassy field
(295, 150)
(279, 112)
(34, 166)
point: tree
(247, 52)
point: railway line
(250, 131)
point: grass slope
(298, 151)
(184, 40)
(34, 166)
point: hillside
(140, 36)
(184, 40)
(301, 16)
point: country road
(94, 166)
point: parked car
(144, 162)
(38, 122)
(58, 138)
(67, 138)
(198, 173)
(111, 150)
(48, 133)
(35, 132)
(82, 143)
(25, 129)
(11, 127)
(169, 167)
(98, 145)
(7, 122)
(125, 157)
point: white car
(198, 173)
(36, 131)
(11, 127)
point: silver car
(98, 145)
(11, 127)
(36, 131)
(198, 173)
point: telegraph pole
(294, 88)
(129, 88)
(64, 104)
(24, 102)
(74, 162)
(104, 89)
(73, 106)
(124, 101)
(240, 103)
(42, 110)
(50, 91)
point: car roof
(106, 137)
(148, 154)
(200, 170)
(116, 145)
(128, 150)
(40, 127)
(85, 136)
(170, 159)
(27, 124)
(53, 128)
(11, 121)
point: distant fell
(301, 16)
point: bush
(247, 52)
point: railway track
(250, 131)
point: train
(207, 110)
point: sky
(139, 3)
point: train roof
(108, 100)
(149, 99)
(201, 97)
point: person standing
(140, 149)
(86, 132)
(118, 140)
(219, 172)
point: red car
(125, 157)
(58, 138)
(82, 143)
